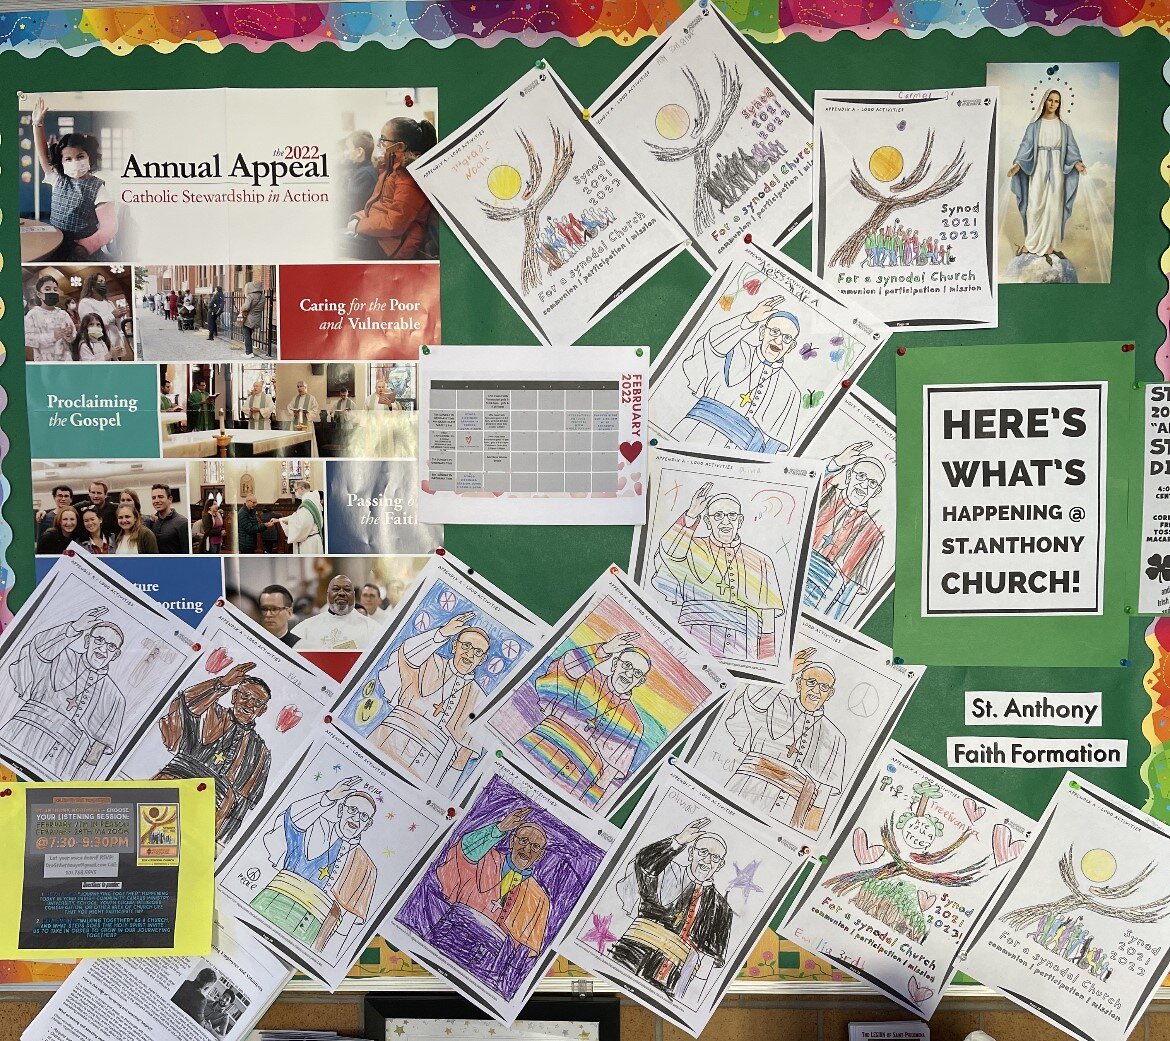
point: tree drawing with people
(901, 197)
(889, 891)
(704, 131)
(535, 193)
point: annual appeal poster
(1013, 504)
(264, 281)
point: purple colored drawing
(501, 887)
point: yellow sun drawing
(885, 163)
(1098, 865)
(672, 122)
(504, 182)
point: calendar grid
(528, 437)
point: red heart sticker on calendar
(630, 450)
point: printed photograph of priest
(501, 887)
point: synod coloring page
(550, 212)
(904, 205)
(715, 132)
(919, 854)
(1078, 935)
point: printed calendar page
(533, 435)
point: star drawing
(745, 880)
(599, 934)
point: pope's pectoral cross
(437, 711)
(324, 872)
(71, 703)
(745, 399)
(219, 758)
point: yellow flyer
(118, 868)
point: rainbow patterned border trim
(1155, 770)
(441, 22)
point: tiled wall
(740, 1019)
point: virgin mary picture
(1058, 161)
(1045, 178)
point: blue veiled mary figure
(1045, 177)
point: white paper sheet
(797, 752)
(681, 900)
(1078, 936)
(313, 874)
(550, 212)
(1013, 490)
(453, 640)
(919, 854)
(851, 567)
(240, 714)
(763, 354)
(494, 894)
(220, 997)
(1154, 581)
(84, 662)
(611, 689)
(726, 545)
(533, 435)
(715, 132)
(904, 207)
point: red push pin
(196, 647)
(450, 811)
(846, 384)
(440, 552)
(4, 794)
(409, 101)
(201, 787)
(748, 239)
(219, 602)
(1126, 348)
(328, 719)
(901, 351)
(70, 553)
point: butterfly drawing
(811, 399)
(808, 351)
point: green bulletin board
(547, 568)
